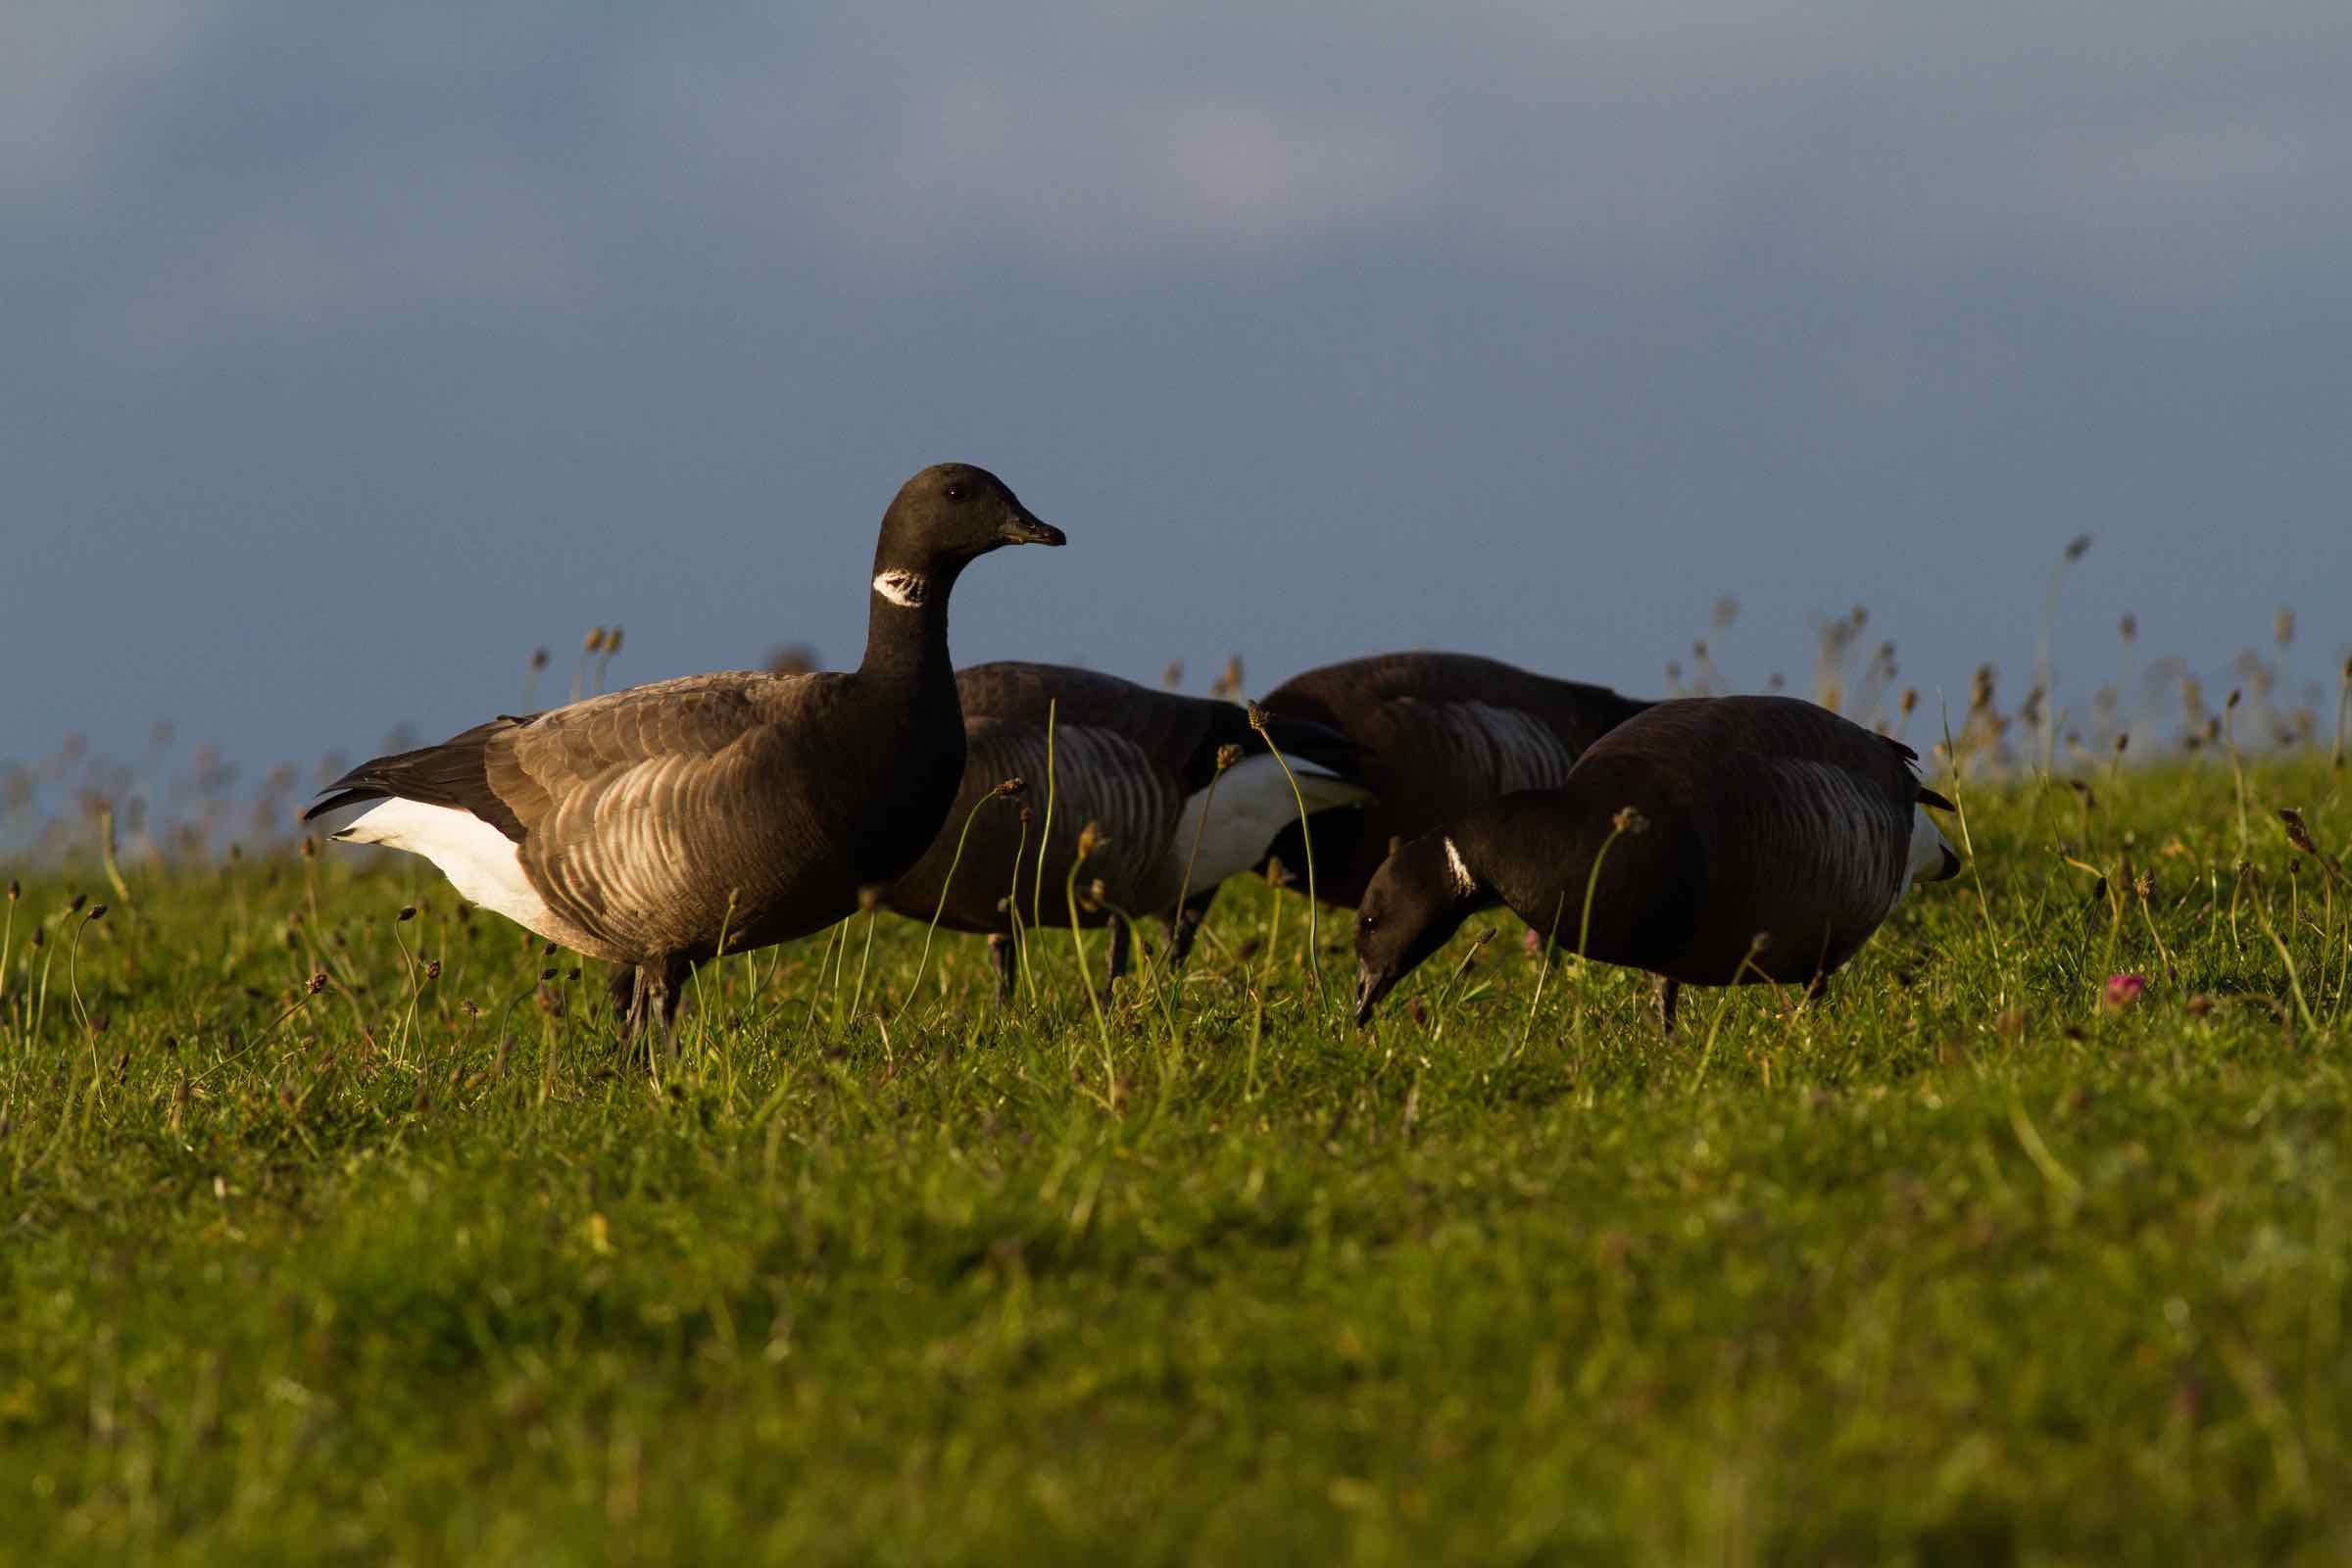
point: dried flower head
(2076, 547)
(2122, 741)
(317, 982)
(1228, 756)
(408, 912)
(2297, 832)
(540, 658)
(1012, 787)
(613, 641)
(1629, 821)
(2129, 626)
(1089, 838)
(869, 898)
(97, 913)
(595, 640)
(2283, 627)
(432, 968)
(1173, 677)
(14, 891)
(310, 848)
(1910, 700)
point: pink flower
(2122, 990)
(1532, 943)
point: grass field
(317, 1252)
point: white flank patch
(906, 589)
(1253, 804)
(1456, 867)
(479, 859)
(1927, 850)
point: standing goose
(1138, 762)
(1440, 733)
(643, 826)
(1750, 817)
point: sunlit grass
(335, 1234)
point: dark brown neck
(1547, 853)
(906, 622)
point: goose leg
(1669, 991)
(1816, 989)
(1185, 925)
(649, 993)
(1003, 953)
(623, 989)
(1122, 936)
(670, 990)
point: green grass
(1961, 1266)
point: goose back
(1134, 761)
(1764, 815)
(651, 819)
(1440, 733)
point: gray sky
(354, 350)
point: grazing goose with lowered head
(1738, 839)
(644, 826)
(1138, 762)
(1440, 733)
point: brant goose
(1138, 762)
(1440, 733)
(645, 826)
(1736, 838)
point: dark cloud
(360, 353)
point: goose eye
(955, 492)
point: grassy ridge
(1964, 1265)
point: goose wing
(1823, 816)
(645, 817)
(1098, 775)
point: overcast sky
(351, 352)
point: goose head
(1416, 902)
(951, 513)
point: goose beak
(1369, 988)
(1023, 529)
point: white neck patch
(906, 589)
(1463, 882)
